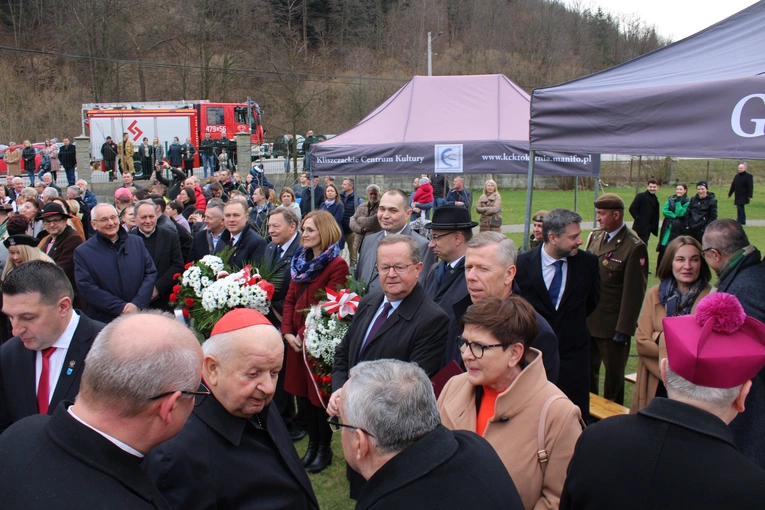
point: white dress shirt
(286, 246)
(56, 360)
(548, 272)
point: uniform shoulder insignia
(636, 239)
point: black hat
(52, 209)
(5, 207)
(451, 217)
(21, 239)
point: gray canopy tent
(446, 124)
(703, 96)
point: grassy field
(331, 486)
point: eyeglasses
(204, 392)
(398, 268)
(337, 425)
(50, 221)
(437, 237)
(705, 250)
(104, 221)
(476, 349)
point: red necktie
(42, 388)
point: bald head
(136, 358)
(241, 368)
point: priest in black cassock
(235, 451)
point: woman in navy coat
(334, 206)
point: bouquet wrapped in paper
(325, 326)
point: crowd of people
(464, 378)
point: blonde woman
(490, 208)
(22, 248)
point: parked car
(38, 157)
(263, 151)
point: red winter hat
(719, 346)
(239, 318)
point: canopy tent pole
(529, 190)
(576, 192)
(594, 213)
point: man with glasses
(742, 273)
(402, 322)
(235, 451)
(61, 242)
(452, 228)
(37, 298)
(115, 274)
(392, 435)
(135, 394)
(393, 213)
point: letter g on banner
(735, 118)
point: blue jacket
(462, 195)
(90, 198)
(259, 180)
(305, 200)
(174, 155)
(349, 209)
(110, 275)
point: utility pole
(430, 52)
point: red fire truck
(168, 119)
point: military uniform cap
(609, 201)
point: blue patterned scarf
(303, 270)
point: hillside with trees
(310, 64)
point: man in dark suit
(562, 283)
(393, 214)
(285, 239)
(452, 228)
(412, 461)
(37, 298)
(742, 188)
(61, 242)
(248, 245)
(86, 454)
(167, 223)
(678, 452)
(248, 459)
(490, 271)
(305, 197)
(165, 251)
(401, 322)
(206, 240)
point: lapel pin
(70, 370)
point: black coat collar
(231, 427)
(417, 460)
(689, 417)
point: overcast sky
(674, 18)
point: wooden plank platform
(601, 408)
(631, 378)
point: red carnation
(189, 302)
(176, 289)
(176, 276)
(188, 265)
(316, 377)
(327, 379)
(185, 313)
(173, 298)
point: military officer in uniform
(535, 239)
(125, 151)
(623, 262)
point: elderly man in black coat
(235, 451)
(678, 452)
(86, 454)
(645, 211)
(412, 461)
(742, 188)
(165, 250)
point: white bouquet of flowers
(325, 326)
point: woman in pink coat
(505, 397)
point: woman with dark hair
(334, 206)
(505, 397)
(316, 265)
(28, 158)
(684, 276)
(188, 199)
(674, 219)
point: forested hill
(310, 64)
